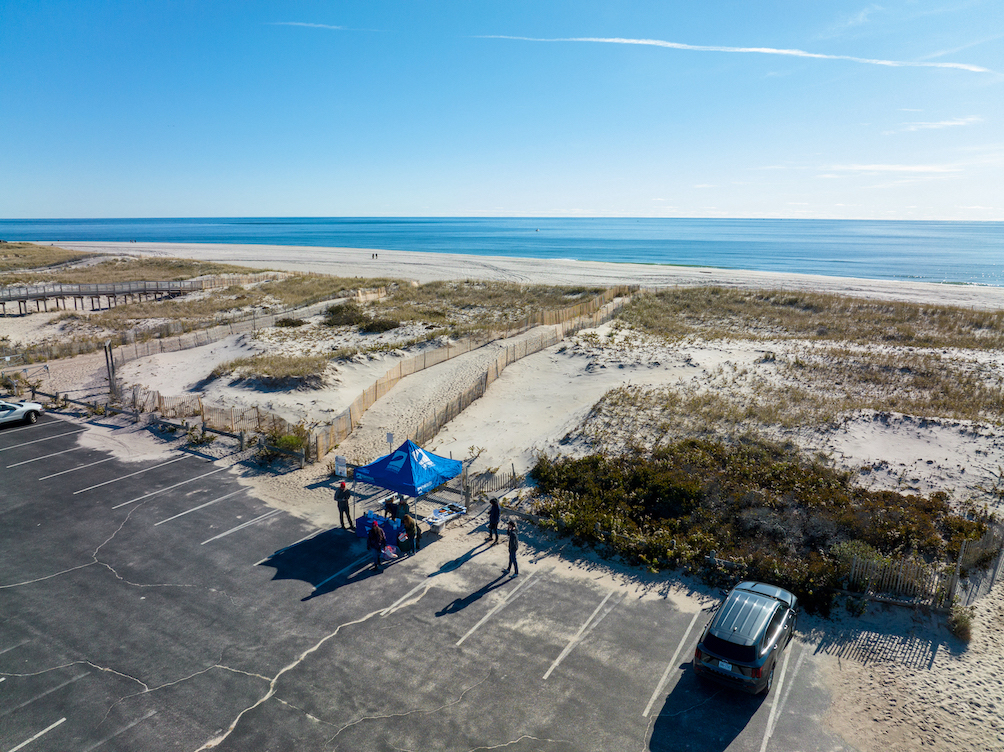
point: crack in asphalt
(410, 712)
(275, 679)
(79, 663)
(110, 568)
(519, 739)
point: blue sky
(580, 108)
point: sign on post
(341, 467)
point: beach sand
(884, 697)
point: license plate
(724, 665)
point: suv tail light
(697, 655)
(756, 673)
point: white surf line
(242, 526)
(513, 595)
(776, 704)
(196, 509)
(672, 662)
(47, 438)
(26, 742)
(74, 469)
(168, 488)
(578, 635)
(340, 572)
(123, 477)
(45, 457)
(120, 731)
(46, 692)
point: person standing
(513, 547)
(375, 540)
(494, 514)
(412, 531)
(342, 497)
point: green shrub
(375, 326)
(770, 511)
(345, 314)
(290, 322)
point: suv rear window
(729, 650)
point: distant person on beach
(494, 514)
(342, 497)
(375, 541)
(513, 547)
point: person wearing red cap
(375, 541)
(342, 497)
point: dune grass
(129, 269)
(305, 370)
(18, 257)
(725, 313)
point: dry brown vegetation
(717, 313)
(289, 370)
(123, 269)
(20, 256)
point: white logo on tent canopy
(422, 458)
(397, 462)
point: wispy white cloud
(754, 50)
(941, 124)
(933, 126)
(308, 25)
(850, 22)
(895, 168)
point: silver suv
(742, 642)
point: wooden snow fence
(912, 582)
(488, 483)
(566, 321)
(974, 552)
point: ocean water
(948, 252)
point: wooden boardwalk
(112, 293)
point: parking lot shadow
(459, 604)
(315, 559)
(700, 715)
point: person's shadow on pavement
(461, 603)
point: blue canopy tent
(409, 470)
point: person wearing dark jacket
(375, 540)
(413, 532)
(494, 514)
(513, 546)
(342, 497)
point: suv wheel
(770, 682)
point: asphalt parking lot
(158, 605)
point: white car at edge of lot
(19, 412)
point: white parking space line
(45, 457)
(37, 441)
(120, 731)
(241, 527)
(286, 548)
(578, 635)
(8, 711)
(776, 705)
(353, 565)
(13, 647)
(168, 488)
(672, 664)
(513, 595)
(43, 732)
(196, 509)
(123, 477)
(74, 469)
